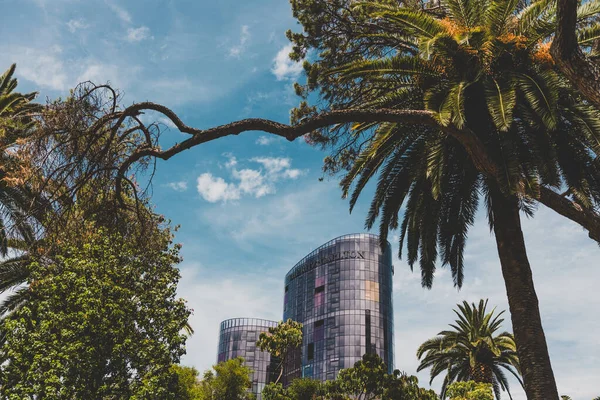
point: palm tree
(18, 205)
(16, 201)
(509, 127)
(472, 351)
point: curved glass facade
(237, 338)
(342, 294)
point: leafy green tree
(404, 387)
(186, 385)
(229, 380)
(368, 379)
(280, 341)
(470, 390)
(305, 389)
(274, 391)
(102, 321)
(299, 389)
(472, 351)
(365, 380)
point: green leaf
(588, 9)
(415, 22)
(541, 95)
(501, 100)
(587, 35)
(498, 14)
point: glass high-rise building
(342, 293)
(237, 338)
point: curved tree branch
(565, 207)
(472, 144)
(583, 72)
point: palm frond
(7, 83)
(587, 35)
(540, 95)
(530, 16)
(14, 301)
(498, 13)
(588, 9)
(501, 100)
(416, 23)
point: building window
(311, 351)
(319, 332)
(319, 296)
(368, 331)
(372, 290)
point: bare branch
(565, 207)
(588, 219)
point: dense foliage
(470, 390)
(472, 350)
(229, 380)
(186, 385)
(366, 380)
(102, 321)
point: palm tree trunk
(523, 303)
(482, 373)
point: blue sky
(251, 206)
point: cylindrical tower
(237, 338)
(342, 294)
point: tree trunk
(583, 72)
(482, 373)
(523, 303)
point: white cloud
(44, 67)
(215, 189)
(252, 182)
(292, 173)
(180, 186)
(75, 24)
(283, 67)
(237, 50)
(138, 34)
(101, 73)
(231, 160)
(278, 167)
(265, 140)
(120, 12)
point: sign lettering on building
(324, 258)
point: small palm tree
(472, 351)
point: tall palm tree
(16, 201)
(472, 350)
(483, 69)
(18, 205)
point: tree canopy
(229, 380)
(366, 380)
(102, 320)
